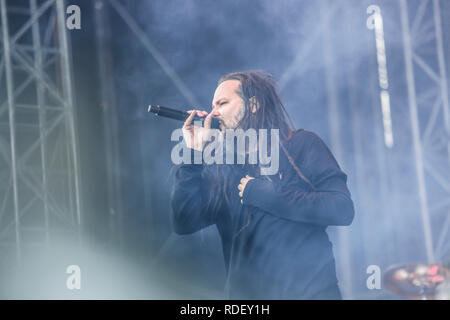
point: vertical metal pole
(12, 128)
(70, 114)
(407, 45)
(109, 108)
(442, 70)
(70, 174)
(42, 116)
(444, 95)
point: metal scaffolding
(39, 167)
(429, 103)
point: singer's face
(229, 104)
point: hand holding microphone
(178, 115)
(197, 137)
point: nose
(216, 109)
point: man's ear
(254, 105)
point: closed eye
(220, 104)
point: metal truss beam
(427, 142)
(39, 150)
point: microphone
(179, 115)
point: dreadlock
(257, 88)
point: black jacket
(274, 243)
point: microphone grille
(154, 109)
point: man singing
(272, 227)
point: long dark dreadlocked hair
(255, 87)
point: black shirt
(274, 243)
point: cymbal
(418, 281)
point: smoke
(322, 54)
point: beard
(234, 122)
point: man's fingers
(190, 118)
(208, 119)
(200, 113)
